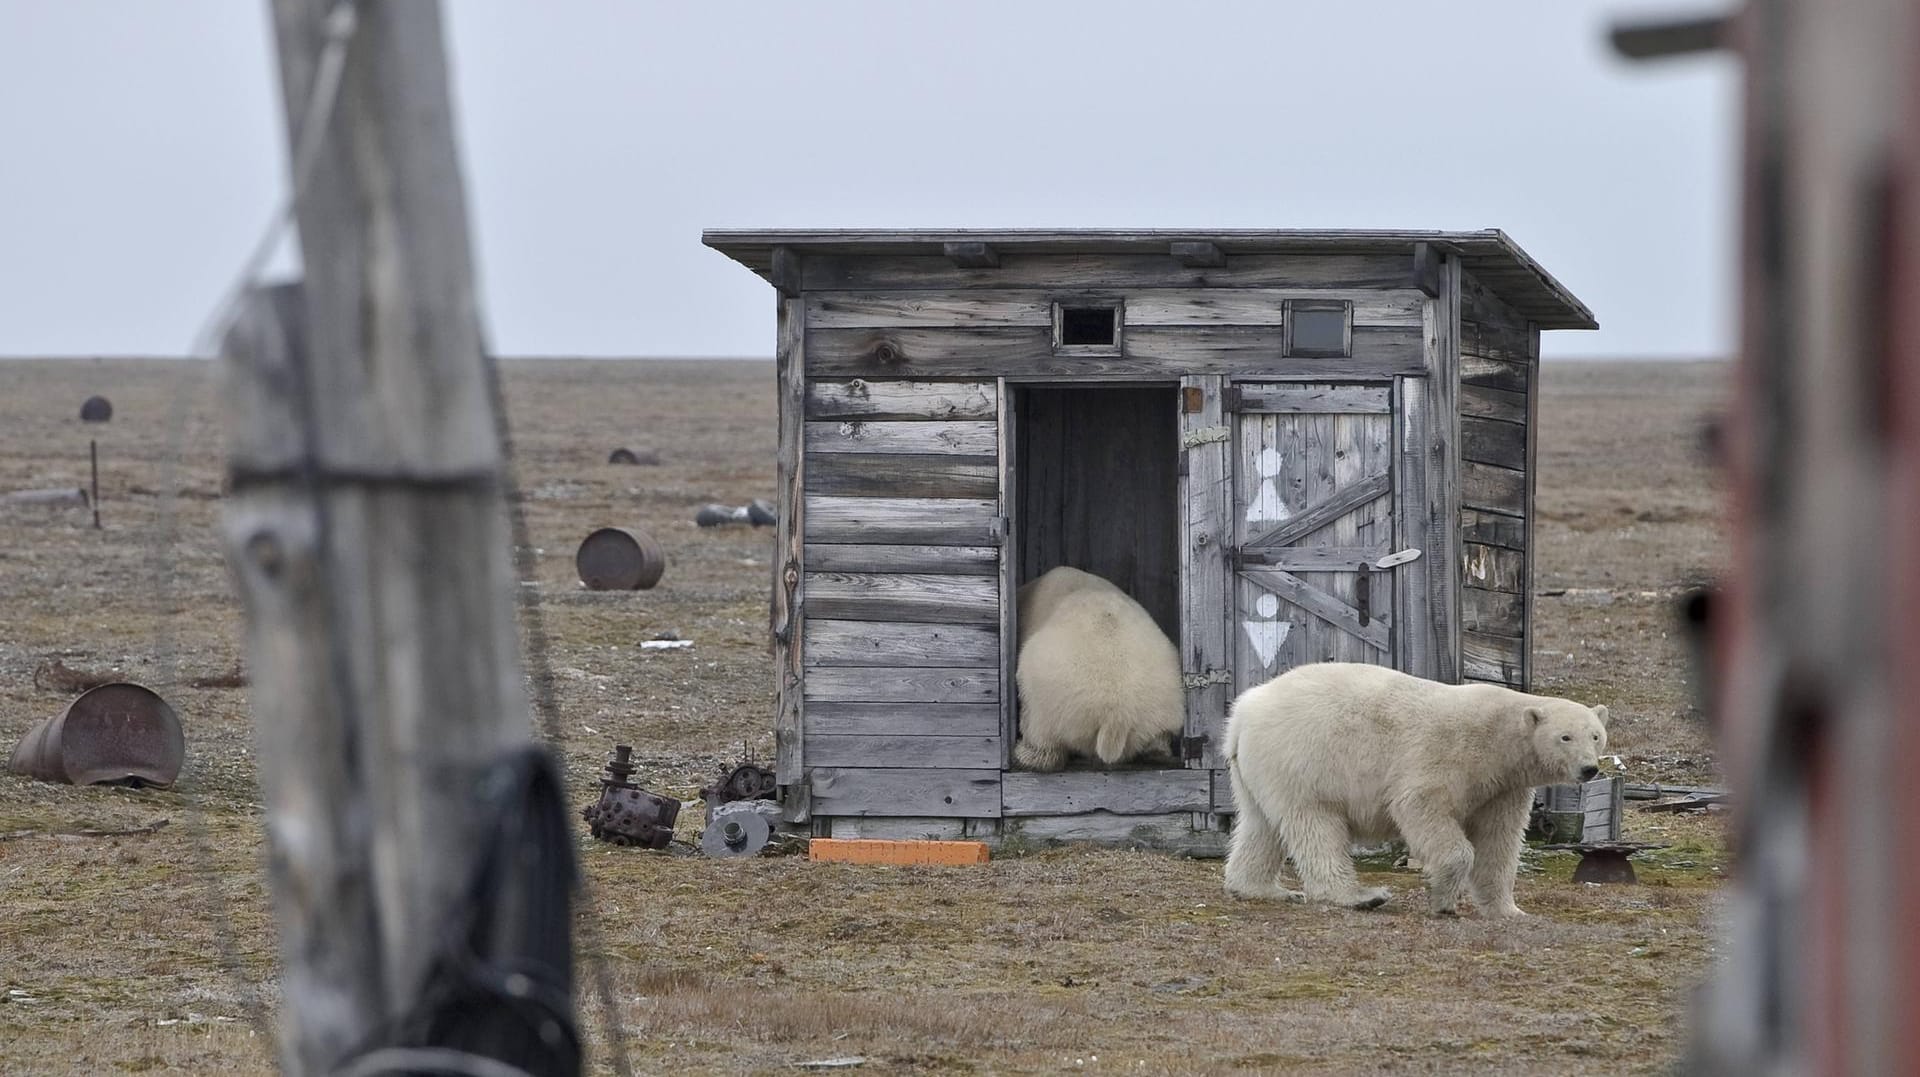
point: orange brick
(874, 851)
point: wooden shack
(1289, 446)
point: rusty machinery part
(1605, 861)
(613, 559)
(742, 828)
(745, 781)
(626, 814)
(634, 457)
(96, 409)
(115, 734)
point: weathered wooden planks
(911, 644)
(941, 560)
(1412, 634)
(1172, 832)
(903, 719)
(1317, 400)
(1493, 374)
(1493, 341)
(1444, 470)
(1327, 607)
(897, 475)
(1313, 558)
(1497, 613)
(1493, 528)
(947, 793)
(928, 521)
(890, 750)
(860, 684)
(1482, 402)
(1009, 571)
(1321, 513)
(858, 398)
(1130, 792)
(1495, 568)
(1494, 489)
(835, 272)
(1206, 577)
(1263, 306)
(1492, 441)
(936, 437)
(1488, 657)
(893, 310)
(786, 614)
(1148, 352)
(891, 596)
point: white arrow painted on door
(1267, 504)
(1267, 635)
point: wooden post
(93, 464)
(368, 535)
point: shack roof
(1493, 258)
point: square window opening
(1318, 328)
(1087, 325)
(1096, 487)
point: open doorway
(1097, 488)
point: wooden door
(1313, 525)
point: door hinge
(1203, 680)
(1192, 748)
(1231, 398)
(1003, 526)
(1205, 435)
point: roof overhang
(1493, 258)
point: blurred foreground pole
(370, 543)
(1816, 648)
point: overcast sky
(140, 150)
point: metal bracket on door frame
(1203, 680)
(1205, 435)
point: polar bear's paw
(1372, 897)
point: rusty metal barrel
(613, 559)
(114, 734)
(96, 409)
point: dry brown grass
(143, 953)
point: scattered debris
(665, 644)
(613, 559)
(1605, 861)
(65, 497)
(96, 409)
(54, 675)
(846, 1063)
(233, 678)
(626, 814)
(114, 734)
(757, 513)
(745, 780)
(634, 457)
(151, 828)
(742, 828)
(1656, 791)
(1690, 803)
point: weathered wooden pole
(367, 531)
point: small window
(1092, 325)
(1318, 327)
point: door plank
(1322, 605)
(1326, 511)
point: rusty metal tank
(119, 734)
(96, 409)
(612, 559)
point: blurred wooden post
(368, 535)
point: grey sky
(140, 150)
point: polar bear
(1336, 752)
(1096, 676)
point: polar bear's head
(1568, 738)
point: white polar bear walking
(1336, 752)
(1096, 676)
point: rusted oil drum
(113, 734)
(96, 409)
(612, 559)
